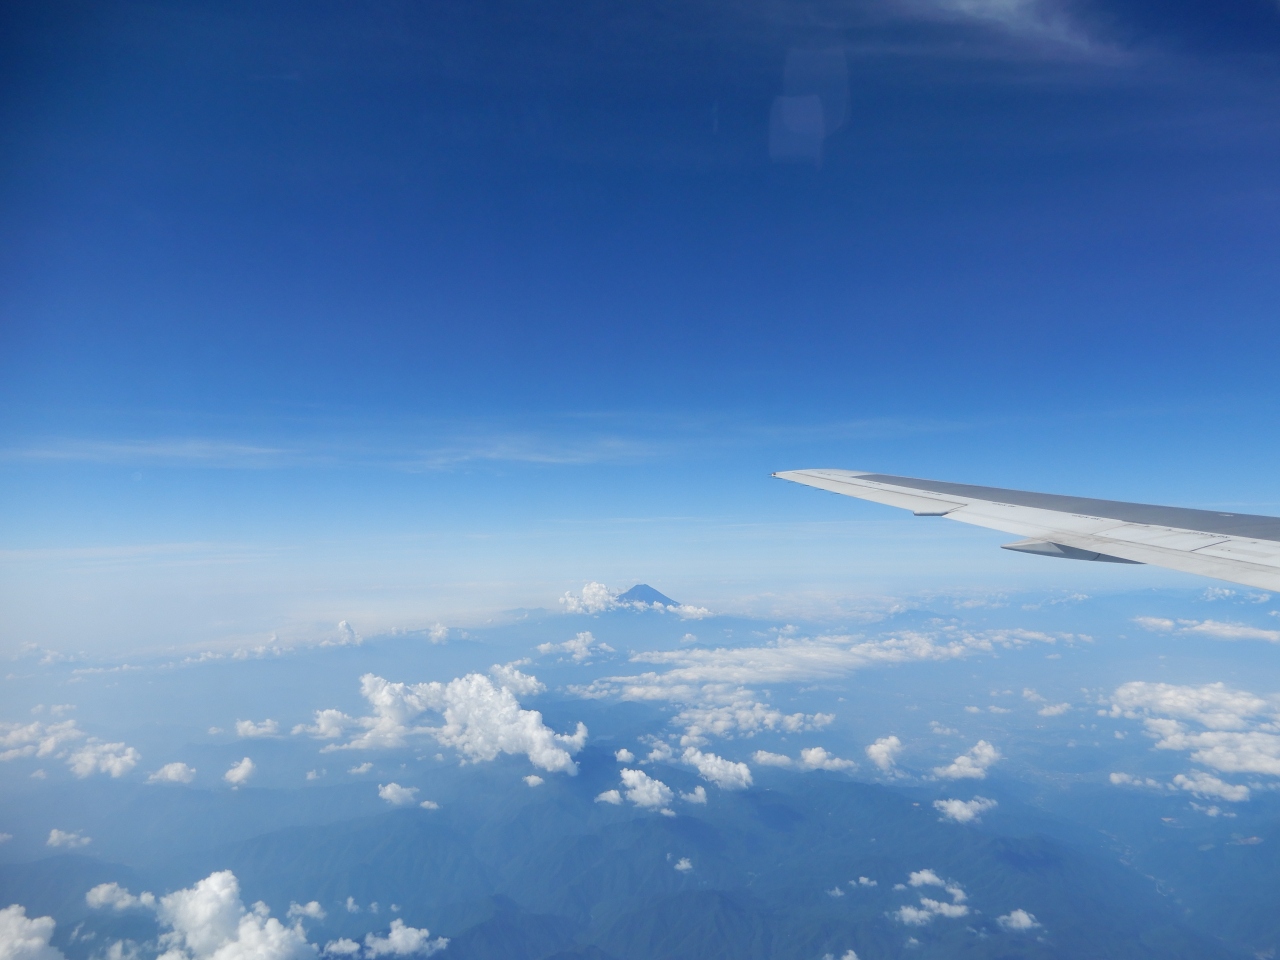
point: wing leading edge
(1241, 548)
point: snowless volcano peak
(643, 593)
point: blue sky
(418, 313)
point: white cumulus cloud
(1238, 730)
(801, 660)
(403, 941)
(95, 756)
(534, 780)
(247, 728)
(1018, 920)
(173, 773)
(764, 758)
(1213, 705)
(67, 838)
(580, 649)
(1129, 780)
(239, 773)
(929, 907)
(609, 796)
(597, 598)
(1208, 787)
(884, 752)
(209, 922)
(740, 714)
(37, 739)
(644, 791)
(699, 795)
(925, 878)
(311, 910)
(112, 896)
(482, 718)
(972, 764)
(329, 725)
(816, 758)
(684, 864)
(397, 795)
(594, 598)
(713, 686)
(726, 774)
(1216, 629)
(964, 811)
(26, 938)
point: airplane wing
(1238, 547)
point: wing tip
(819, 471)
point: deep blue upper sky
(1039, 249)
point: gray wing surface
(1238, 547)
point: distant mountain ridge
(531, 875)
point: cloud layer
(1228, 730)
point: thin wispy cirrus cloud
(178, 451)
(410, 448)
(569, 440)
(1019, 29)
